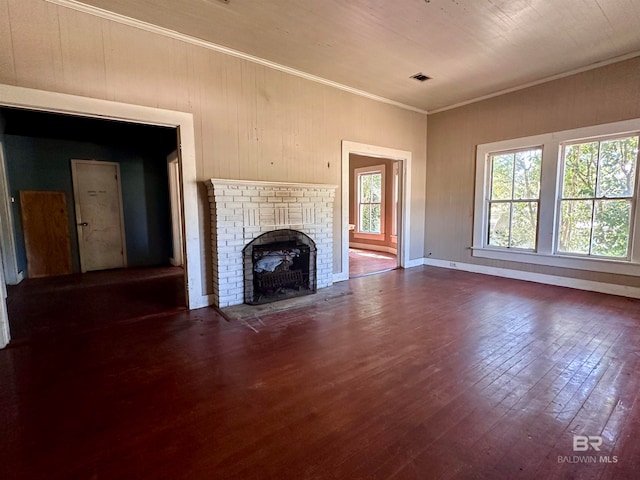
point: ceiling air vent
(421, 77)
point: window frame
(490, 200)
(395, 201)
(551, 178)
(357, 173)
(632, 198)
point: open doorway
(42, 153)
(375, 211)
(373, 214)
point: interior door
(45, 224)
(98, 201)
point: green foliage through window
(598, 186)
(514, 197)
(370, 202)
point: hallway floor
(74, 303)
(365, 262)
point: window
(370, 201)
(565, 199)
(513, 199)
(598, 185)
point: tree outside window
(598, 186)
(370, 201)
(514, 198)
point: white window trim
(356, 175)
(550, 191)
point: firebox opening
(279, 265)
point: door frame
(175, 200)
(5, 334)
(40, 100)
(404, 214)
(7, 241)
(76, 203)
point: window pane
(575, 226)
(376, 187)
(527, 174)
(499, 221)
(365, 216)
(502, 177)
(617, 167)
(375, 218)
(365, 188)
(580, 170)
(524, 225)
(611, 228)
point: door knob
(84, 224)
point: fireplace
(277, 265)
(247, 216)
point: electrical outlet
(453, 264)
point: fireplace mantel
(242, 210)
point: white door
(98, 202)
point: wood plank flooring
(365, 262)
(43, 307)
(418, 374)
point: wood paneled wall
(251, 122)
(604, 95)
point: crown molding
(148, 27)
(558, 76)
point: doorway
(373, 214)
(376, 183)
(113, 178)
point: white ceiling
(470, 48)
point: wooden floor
(366, 262)
(43, 307)
(411, 374)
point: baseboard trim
(590, 285)
(201, 302)
(416, 262)
(340, 277)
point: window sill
(369, 236)
(619, 267)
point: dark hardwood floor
(418, 374)
(43, 307)
(366, 262)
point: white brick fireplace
(242, 210)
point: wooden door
(98, 202)
(45, 224)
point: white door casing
(404, 204)
(29, 98)
(99, 215)
(7, 242)
(4, 318)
